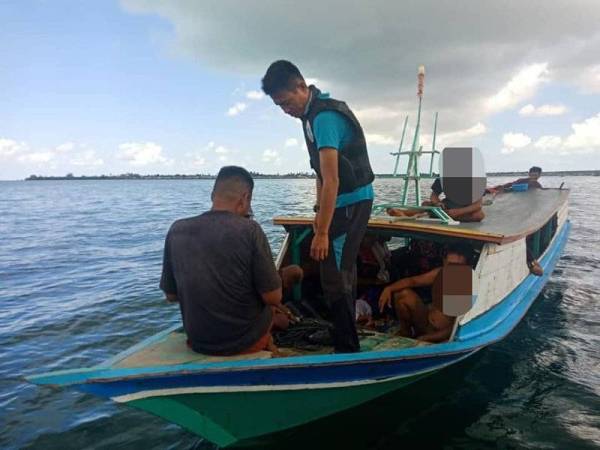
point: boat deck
(529, 211)
(172, 350)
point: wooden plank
(511, 216)
(173, 350)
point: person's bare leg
(399, 212)
(271, 347)
(404, 317)
(476, 216)
(410, 311)
(291, 275)
(535, 268)
(280, 320)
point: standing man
(338, 154)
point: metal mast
(413, 171)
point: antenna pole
(433, 145)
(400, 147)
(413, 159)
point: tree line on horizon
(258, 175)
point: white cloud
(196, 158)
(210, 157)
(37, 157)
(584, 139)
(66, 147)
(271, 156)
(255, 95)
(291, 142)
(9, 148)
(460, 137)
(520, 87)
(380, 139)
(86, 158)
(219, 149)
(527, 110)
(376, 113)
(236, 109)
(141, 153)
(489, 60)
(543, 110)
(586, 135)
(589, 80)
(514, 141)
(548, 142)
(198, 161)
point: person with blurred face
(218, 266)
(418, 317)
(472, 212)
(338, 154)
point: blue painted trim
(480, 332)
(519, 300)
(358, 195)
(275, 376)
(338, 248)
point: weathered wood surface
(172, 350)
(511, 216)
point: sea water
(79, 268)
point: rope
(308, 334)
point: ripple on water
(79, 283)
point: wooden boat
(230, 401)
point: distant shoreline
(289, 176)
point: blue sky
(173, 87)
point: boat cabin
(518, 226)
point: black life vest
(354, 168)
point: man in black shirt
(219, 267)
(472, 212)
(531, 180)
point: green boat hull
(229, 419)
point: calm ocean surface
(79, 269)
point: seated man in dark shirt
(463, 213)
(219, 267)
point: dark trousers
(338, 272)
